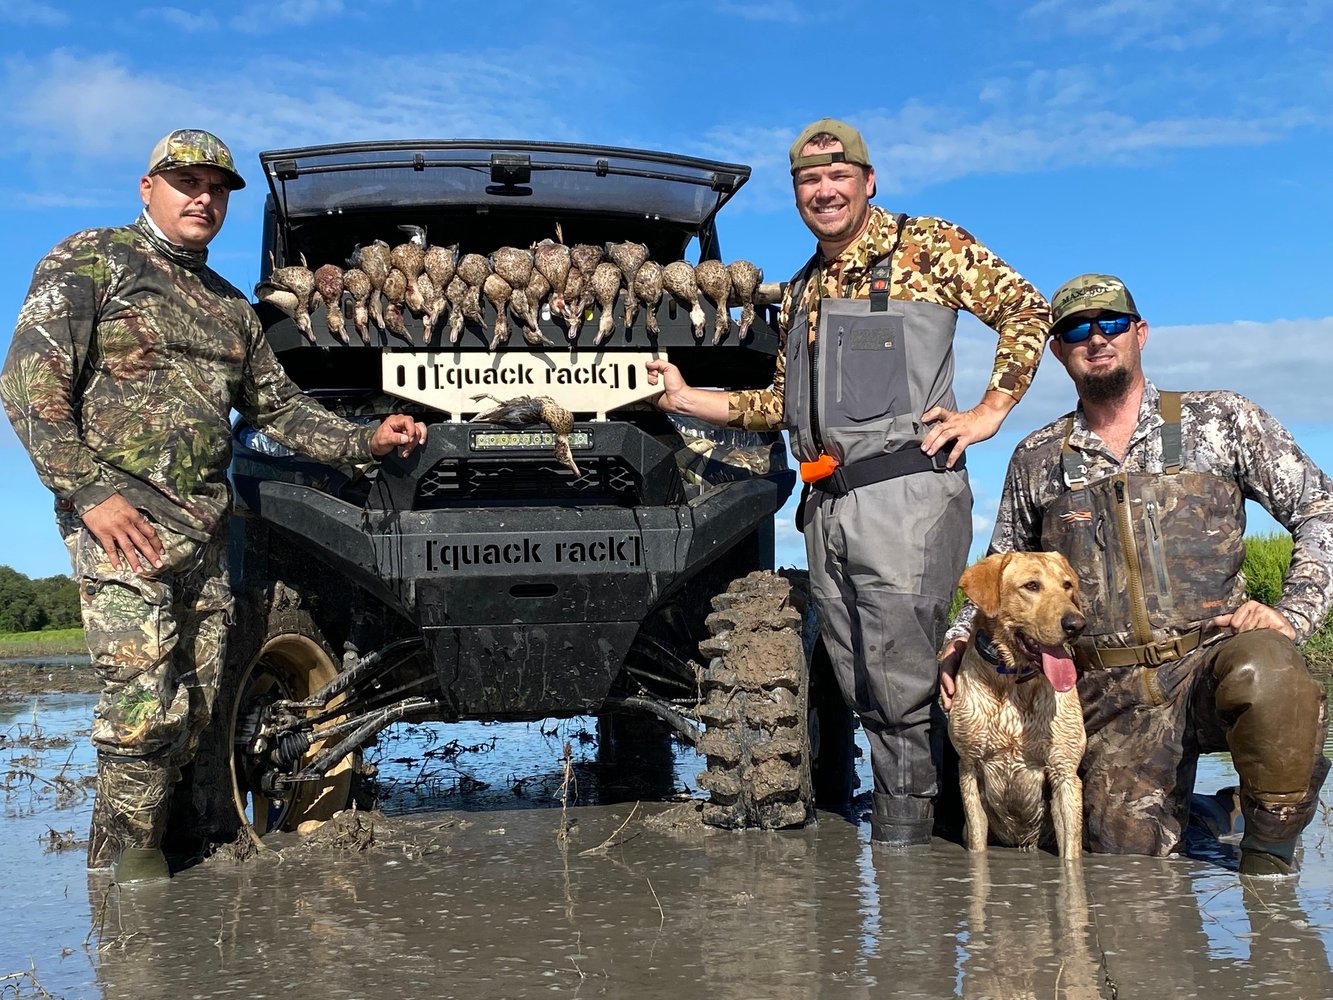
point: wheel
(756, 707)
(291, 662)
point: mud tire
(756, 707)
(279, 652)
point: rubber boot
(130, 815)
(899, 822)
(1268, 858)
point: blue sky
(1184, 146)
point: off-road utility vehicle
(481, 578)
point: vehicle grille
(602, 480)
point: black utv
(483, 578)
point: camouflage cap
(1105, 292)
(853, 146)
(190, 146)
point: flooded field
(476, 881)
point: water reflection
(477, 896)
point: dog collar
(992, 656)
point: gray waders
(887, 535)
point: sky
(1183, 146)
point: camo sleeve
(276, 405)
(50, 348)
(761, 409)
(1279, 476)
(947, 264)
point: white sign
(585, 382)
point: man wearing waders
(1144, 491)
(128, 357)
(864, 386)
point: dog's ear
(981, 583)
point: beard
(1105, 387)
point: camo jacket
(936, 262)
(128, 356)
(1222, 433)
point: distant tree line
(28, 605)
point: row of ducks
(436, 284)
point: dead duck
(648, 293)
(678, 279)
(291, 289)
(329, 286)
(358, 287)
(629, 257)
(606, 282)
(376, 260)
(745, 281)
(523, 411)
(714, 280)
(516, 268)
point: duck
(329, 287)
(678, 279)
(714, 280)
(523, 411)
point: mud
(21, 679)
(545, 874)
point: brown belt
(1152, 654)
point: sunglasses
(1110, 326)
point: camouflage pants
(157, 642)
(1250, 694)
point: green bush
(1266, 560)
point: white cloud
(189, 21)
(37, 15)
(98, 111)
(262, 18)
(1179, 26)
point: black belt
(846, 478)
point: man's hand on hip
(956, 429)
(122, 530)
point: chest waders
(1158, 556)
(888, 532)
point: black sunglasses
(1110, 326)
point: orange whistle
(820, 468)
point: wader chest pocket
(871, 369)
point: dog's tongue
(1058, 667)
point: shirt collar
(1150, 419)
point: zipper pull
(1152, 519)
(1119, 492)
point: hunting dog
(1016, 719)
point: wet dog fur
(1016, 720)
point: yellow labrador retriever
(1016, 720)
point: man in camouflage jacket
(864, 381)
(1144, 490)
(127, 359)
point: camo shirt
(1222, 433)
(936, 262)
(128, 356)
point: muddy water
(470, 891)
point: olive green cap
(187, 147)
(1104, 292)
(853, 146)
